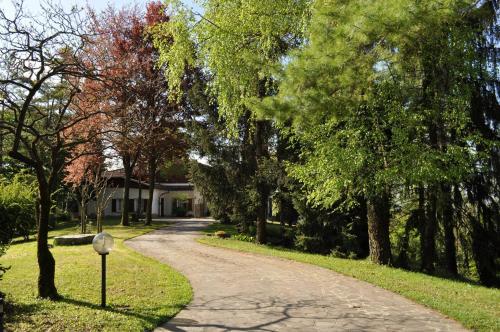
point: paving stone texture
(235, 291)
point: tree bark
(151, 188)
(421, 220)
(83, 215)
(262, 188)
(139, 207)
(430, 228)
(99, 220)
(450, 250)
(126, 189)
(378, 213)
(483, 253)
(46, 262)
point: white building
(170, 199)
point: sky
(33, 5)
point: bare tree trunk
(378, 213)
(46, 262)
(151, 188)
(139, 208)
(100, 217)
(83, 215)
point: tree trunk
(139, 208)
(46, 262)
(421, 221)
(100, 216)
(83, 215)
(151, 188)
(483, 253)
(126, 189)
(262, 188)
(450, 250)
(378, 213)
(83, 211)
(430, 228)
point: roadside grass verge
(474, 306)
(141, 292)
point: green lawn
(141, 292)
(474, 306)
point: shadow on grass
(122, 310)
(22, 312)
(19, 312)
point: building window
(116, 205)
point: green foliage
(354, 97)
(174, 171)
(243, 237)
(323, 231)
(216, 189)
(17, 205)
(389, 97)
(179, 211)
(241, 43)
(176, 49)
(17, 210)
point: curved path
(236, 291)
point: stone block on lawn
(73, 240)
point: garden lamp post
(103, 244)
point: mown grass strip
(142, 292)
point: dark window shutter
(113, 205)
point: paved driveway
(236, 291)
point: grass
(141, 292)
(474, 306)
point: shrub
(17, 210)
(134, 218)
(17, 206)
(62, 215)
(341, 229)
(312, 244)
(243, 237)
(179, 211)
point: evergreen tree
(381, 98)
(241, 44)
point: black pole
(103, 282)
